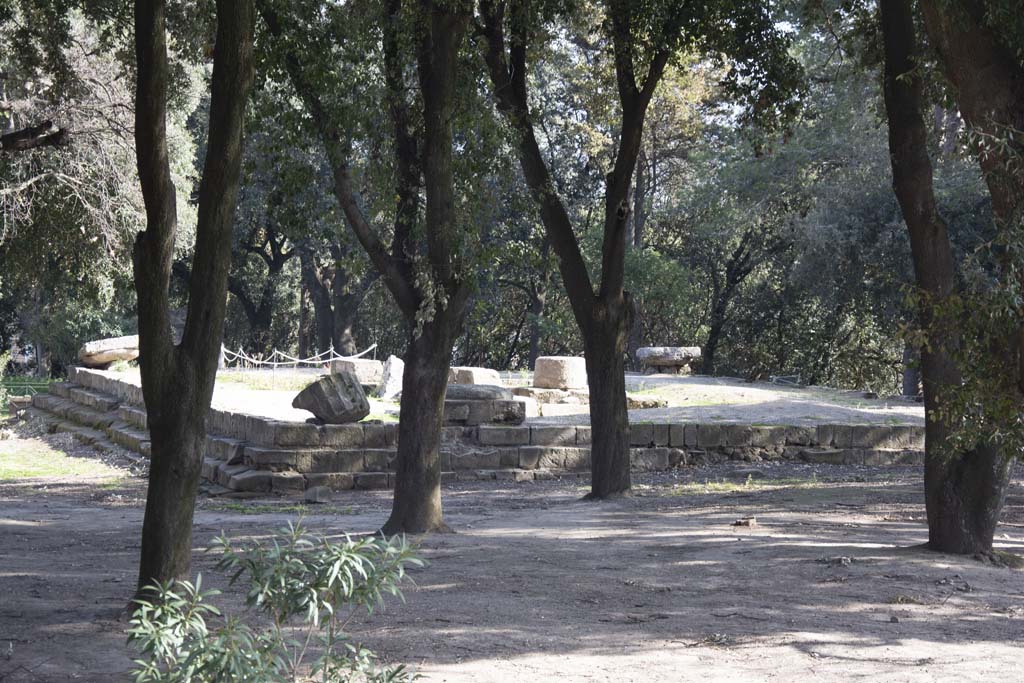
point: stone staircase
(249, 453)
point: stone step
(133, 416)
(878, 457)
(97, 400)
(128, 436)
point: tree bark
(964, 491)
(417, 502)
(604, 313)
(177, 381)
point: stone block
(529, 457)
(348, 460)
(560, 372)
(248, 480)
(488, 435)
(299, 460)
(335, 481)
(677, 435)
(508, 412)
(767, 436)
(380, 435)
(801, 436)
(584, 436)
(552, 435)
(508, 457)
(378, 459)
(257, 430)
(475, 460)
(367, 372)
(456, 412)
(287, 482)
(842, 436)
(225, 472)
(649, 459)
(554, 457)
(224, 448)
(337, 398)
(341, 436)
(469, 375)
(641, 434)
(372, 480)
(296, 434)
(824, 435)
(832, 456)
(734, 435)
(709, 436)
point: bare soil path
(536, 586)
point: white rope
(321, 358)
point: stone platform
(254, 453)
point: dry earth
(535, 585)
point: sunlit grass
(29, 459)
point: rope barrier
(244, 360)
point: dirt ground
(535, 585)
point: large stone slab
(470, 375)
(369, 372)
(103, 352)
(337, 398)
(674, 359)
(477, 392)
(560, 372)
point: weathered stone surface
(368, 372)
(380, 435)
(634, 402)
(103, 352)
(554, 396)
(560, 372)
(391, 379)
(670, 358)
(336, 399)
(553, 435)
(649, 459)
(249, 480)
(372, 480)
(477, 392)
(508, 412)
(335, 481)
(504, 436)
(470, 375)
(342, 436)
(554, 457)
(287, 482)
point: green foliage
(303, 584)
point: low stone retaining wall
(252, 453)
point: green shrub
(308, 586)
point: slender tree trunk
(964, 491)
(177, 381)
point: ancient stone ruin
(672, 360)
(337, 398)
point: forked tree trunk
(177, 381)
(964, 491)
(609, 419)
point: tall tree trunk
(320, 297)
(964, 491)
(177, 381)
